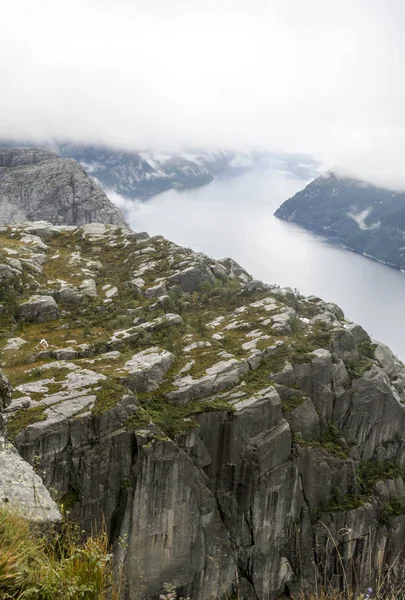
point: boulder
(23, 490)
(222, 375)
(192, 278)
(39, 309)
(145, 370)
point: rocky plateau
(235, 436)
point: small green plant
(341, 503)
(24, 417)
(371, 471)
(391, 508)
(110, 392)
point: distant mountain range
(134, 174)
(365, 218)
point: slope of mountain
(37, 184)
(237, 438)
(134, 174)
(368, 219)
(142, 174)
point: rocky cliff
(368, 219)
(235, 436)
(36, 184)
(21, 488)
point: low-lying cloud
(319, 77)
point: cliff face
(235, 435)
(36, 184)
(368, 219)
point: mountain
(367, 219)
(135, 174)
(142, 174)
(37, 184)
(236, 438)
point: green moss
(366, 349)
(171, 419)
(70, 499)
(19, 377)
(371, 471)
(342, 503)
(108, 394)
(391, 508)
(54, 388)
(37, 396)
(303, 344)
(293, 402)
(24, 417)
(204, 358)
(331, 441)
(261, 377)
(357, 368)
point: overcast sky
(315, 76)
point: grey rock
(5, 391)
(191, 279)
(304, 421)
(88, 288)
(221, 376)
(145, 370)
(234, 270)
(339, 373)
(358, 333)
(14, 344)
(36, 184)
(156, 291)
(43, 230)
(23, 490)
(344, 345)
(39, 309)
(167, 319)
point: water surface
(234, 217)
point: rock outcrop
(237, 437)
(36, 184)
(20, 487)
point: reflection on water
(234, 217)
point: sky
(321, 77)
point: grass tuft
(61, 565)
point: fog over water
(234, 217)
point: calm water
(234, 217)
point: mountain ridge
(140, 174)
(365, 218)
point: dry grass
(45, 567)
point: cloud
(319, 77)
